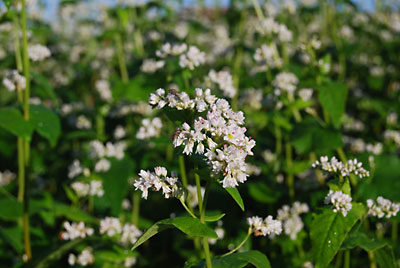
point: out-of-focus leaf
(236, 260)
(12, 120)
(46, 123)
(332, 97)
(58, 254)
(385, 257)
(10, 209)
(72, 213)
(328, 231)
(41, 87)
(190, 226)
(262, 193)
(213, 216)
(359, 239)
(13, 236)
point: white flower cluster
(119, 132)
(75, 230)
(85, 258)
(149, 128)
(174, 50)
(305, 94)
(340, 201)
(158, 180)
(192, 58)
(268, 54)
(269, 26)
(98, 150)
(94, 188)
(38, 52)
(392, 135)
(14, 80)
(336, 166)
(286, 82)
(75, 169)
(82, 122)
(192, 195)
(6, 177)
(290, 218)
(382, 208)
(252, 98)
(268, 226)
(228, 146)
(128, 234)
(151, 65)
(224, 81)
(103, 88)
(110, 226)
(103, 165)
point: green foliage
(190, 226)
(234, 192)
(46, 123)
(329, 230)
(12, 120)
(332, 97)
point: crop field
(240, 133)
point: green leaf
(13, 236)
(359, 239)
(216, 216)
(72, 213)
(41, 87)
(59, 253)
(332, 97)
(385, 257)
(12, 120)
(262, 193)
(10, 209)
(328, 231)
(7, 3)
(234, 192)
(46, 123)
(115, 184)
(190, 226)
(236, 260)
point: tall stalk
(121, 58)
(26, 145)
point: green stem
(258, 10)
(239, 246)
(135, 208)
(236, 79)
(187, 209)
(347, 259)
(395, 227)
(289, 164)
(137, 35)
(27, 244)
(183, 170)
(121, 58)
(17, 48)
(339, 259)
(21, 170)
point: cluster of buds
(382, 208)
(268, 226)
(340, 201)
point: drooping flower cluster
(38, 52)
(290, 218)
(340, 201)
(268, 226)
(75, 230)
(224, 81)
(13, 80)
(85, 258)
(94, 188)
(337, 167)
(221, 131)
(149, 128)
(382, 208)
(6, 177)
(158, 180)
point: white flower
(6, 177)
(85, 258)
(158, 181)
(290, 217)
(96, 188)
(286, 82)
(14, 80)
(75, 169)
(305, 94)
(81, 189)
(75, 230)
(269, 226)
(382, 208)
(129, 262)
(130, 233)
(103, 165)
(335, 166)
(38, 52)
(340, 201)
(103, 88)
(224, 81)
(98, 150)
(110, 226)
(167, 49)
(82, 122)
(151, 65)
(192, 195)
(149, 128)
(119, 132)
(192, 58)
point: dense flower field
(161, 134)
